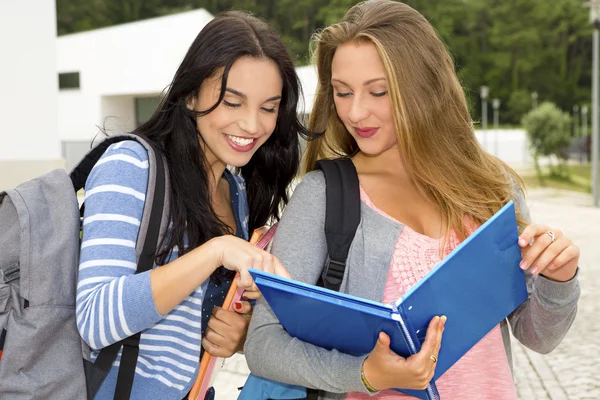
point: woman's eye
(230, 105)
(269, 110)
(379, 94)
(343, 94)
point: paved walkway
(572, 371)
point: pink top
(483, 373)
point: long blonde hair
(434, 129)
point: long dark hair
(173, 129)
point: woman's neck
(389, 164)
(215, 173)
(215, 169)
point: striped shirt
(113, 302)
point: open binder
(476, 286)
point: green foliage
(514, 47)
(519, 104)
(549, 132)
(548, 128)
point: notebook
(476, 286)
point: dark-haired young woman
(232, 103)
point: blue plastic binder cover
(476, 287)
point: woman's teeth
(240, 141)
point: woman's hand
(238, 255)
(384, 369)
(549, 252)
(226, 331)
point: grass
(577, 179)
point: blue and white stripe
(113, 302)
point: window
(144, 108)
(68, 80)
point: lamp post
(594, 7)
(496, 107)
(584, 113)
(575, 121)
(534, 97)
(584, 122)
(485, 91)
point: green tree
(514, 47)
(549, 132)
(519, 103)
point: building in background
(59, 93)
(29, 138)
(111, 78)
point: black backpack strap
(82, 170)
(342, 217)
(130, 345)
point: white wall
(117, 63)
(510, 145)
(28, 104)
(308, 80)
(118, 113)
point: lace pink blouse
(481, 374)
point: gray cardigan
(540, 323)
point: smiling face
(246, 117)
(361, 96)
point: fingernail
(244, 297)
(551, 266)
(523, 264)
(237, 305)
(444, 318)
(522, 242)
(534, 270)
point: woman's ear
(191, 102)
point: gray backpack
(42, 354)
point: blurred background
(71, 67)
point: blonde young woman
(389, 99)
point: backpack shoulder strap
(155, 212)
(80, 172)
(342, 217)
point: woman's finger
(548, 255)
(441, 327)
(280, 269)
(245, 280)
(566, 256)
(214, 338)
(242, 307)
(267, 263)
(252, 294)
(228, 317)
(539, 246)
(432, 338)
(218, 327)
(213, 349)
(531, 232)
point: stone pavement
(572, 370)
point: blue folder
(476, 286)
